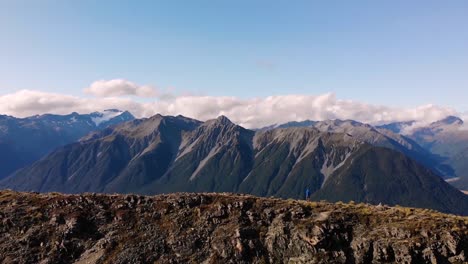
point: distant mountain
(427, 136)
(382, 137)
(25, 140)
(449, 140)
(397, 127)
(306, 123)
(165, 154)
(362, 132)
(447, 124)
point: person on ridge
(307, 194)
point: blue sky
(396, 53)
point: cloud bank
(119, 87)
(250, 113)
(464, 117)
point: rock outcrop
(220, 228)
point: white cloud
(119, 87)
(251, 113)
(27, 102)
(464, 117)
(260, 112)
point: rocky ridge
(220, 228)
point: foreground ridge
(214, 228)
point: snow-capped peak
(106, 115)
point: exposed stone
(221, 228)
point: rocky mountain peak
(223, 120)
(338, 125)
(156, 117)
(449, 120)
(221, 124)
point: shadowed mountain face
(25, 140)
(170, 154)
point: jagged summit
(220, 120)
(223, 119)
(450, 120)
(156, 116)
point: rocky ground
(221, 228)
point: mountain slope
(221, 228)
(217, 156)
(449, 140)
(103, 161)
(287, 161)
(383, 136)
(446, 138)
(169, 154)
(377, 174)
(25, 140)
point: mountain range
(441, 146)
(378, 136)
(25, 140)
(446, 138)
(336, 160)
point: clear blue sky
(400, 53)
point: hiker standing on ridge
(307, 194)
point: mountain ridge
(25, 140)
(171, 154)
(221, 228)
(382, 137)
(449, 140)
